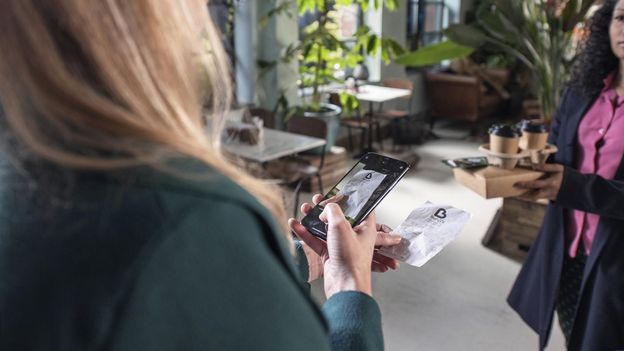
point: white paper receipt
(426, 231)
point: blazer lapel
(579, 108)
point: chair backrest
(309, 126)
(399, 83)
(402, 83)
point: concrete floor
(457, 300)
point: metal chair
(355, 122)
(297, 170)
(396, 116)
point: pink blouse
(600, 149)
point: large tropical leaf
(575, 12)
(465, 35)
(430, 55)
(511, 9)
(495, 25)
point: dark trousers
(569, 289)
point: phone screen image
(359, 191)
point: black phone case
(394, 168)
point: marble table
(274, 144)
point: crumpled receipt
(426, 231)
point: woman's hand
(546, 187)
(336, 198)
(347, 256)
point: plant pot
(330, 114)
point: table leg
(369, 147)
(370, 129)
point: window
(425, 21)
(346, 18)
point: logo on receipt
(440, 213)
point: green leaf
(363, 5)
(348, 102)
(572, 18)
(430, 55)
(385, 56)
(512, 10)
(466, 35)
(391, 5)
(370, 44)
(394, 47)
(493, 24)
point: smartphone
(359, 191)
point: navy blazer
(599, 323)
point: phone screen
(359, 191)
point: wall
(253, 43)
(394, 25)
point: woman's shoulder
(185, 176)
(161, 194)
(576, 94)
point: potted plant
(321, 54)
(538, 33)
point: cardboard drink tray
(491, 182)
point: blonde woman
(122, 225)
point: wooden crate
(519, 224)
(514, 250)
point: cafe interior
(463, 93)
(321, 83)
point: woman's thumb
(336, 221)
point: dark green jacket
(143, 260)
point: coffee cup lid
(505, 130)
(532, 126)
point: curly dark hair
(596, 59)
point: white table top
(275, 144)
(376, 93)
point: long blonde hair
(89, 83)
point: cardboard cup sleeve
(533, 141)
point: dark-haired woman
(576, 265)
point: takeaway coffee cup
(534, 135)
(504, 139)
